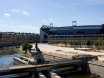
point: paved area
(66, 50)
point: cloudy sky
(30, 15)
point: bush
(17, 46)
(87, 42)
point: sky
(29, 15)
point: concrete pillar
(30, 74)
(75, 67)
(85, 68)
(35, 74)
(46, 73)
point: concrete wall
(96, 68)
(3, 44)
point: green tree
(83, 43)
(26, 46)
(79, 42)
(87, 42)
(70, 42)
(29, 47)
(103, 42)
(76, 43)
(65, 43)
(95, 43)
(91, 42)
(98, 42)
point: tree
(29, 47)
(70, 42)
(103, 42)
(83, 43)
(26, 46)
(87, 42)
(65, 43)
(74, 42)
(95, 43)
(91, 42)
(79, 42)
(98, 42)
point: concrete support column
(35, 74)
(46, 73)
(75, 67)
(30, 74)
(85, 68)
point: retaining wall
(4, 44)
(96, 68)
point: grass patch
(22, 53)
(7, 51)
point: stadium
(52, 35)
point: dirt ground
(66, 51)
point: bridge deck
(39, 66)
(64, 62)
(23, 67)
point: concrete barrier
(3, 44)
(96, 68)
(54, 75)
(41, 75)
(29, 60)
(19, 61)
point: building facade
(17, 36)
(68, 33)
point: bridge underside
(30, 70)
